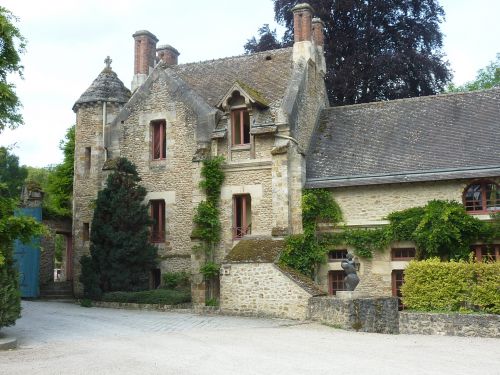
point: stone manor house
(268, 115)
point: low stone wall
(261, 289)
(377, 314)
(140, 306)
(481, 325)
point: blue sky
(68, 42)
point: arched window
(482, 196)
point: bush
(157, 296)
(10, 296)
(176, 280)
(432, 285)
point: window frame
(161, 124)
(157, 207)
(396, 283)
(405, 253)
(238, 232)
(336, 258)
(480, 257)
(484, 201)
(240, 111)
(86, 232)
(338, 277)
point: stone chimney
(167, 54)
(144, 56)
(302, 22)
(318, 32)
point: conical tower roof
(107, 87)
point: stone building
(268, 115)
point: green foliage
(175, 280)
(213, 178)
(364, 242)
(486, 78)
(208, 226)
(210, 269)
(11, 173)
(304, 252)
(86, 302)
(121, 253)
(11, 46)
(90, 279)
(11, 228)
(212, 302)
(268, 40)
(156, 296)
(60, 181)
(432, 285)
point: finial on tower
(108, 62)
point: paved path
(59, 338)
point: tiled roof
(106, 87)
(444, 135)
(267, 72)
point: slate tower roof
(107, 87)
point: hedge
(432, 285)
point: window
(158, 216)
(86, 232)
(159, 142)
(87, 159)
(240, 120)
(482, 196)
(403, 253)
(241, 216)
(487, 253)
(397, 282)
(336, 282)
(337, 255)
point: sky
(69, 40)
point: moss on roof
(256, 250)
(302, 280)
(254, 94)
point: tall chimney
(302, 22)
(167, 54)
(317, 32)
(144, 56)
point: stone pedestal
(348, 294)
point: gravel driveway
(61, 338)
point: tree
(377, 50)
(120, 253)
(12, 45)
(11, 228)
(11, 174)
(486, 78)
(60, 180)
(267, 41)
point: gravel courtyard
(62, 338)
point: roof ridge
(416, 98)
(233, 57)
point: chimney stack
(317, 32)
(144, 56)
(302, 22)
(167, 54)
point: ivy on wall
(441, 228)
(207, 216)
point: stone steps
(57, 290)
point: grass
(156, 296)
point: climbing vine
(441, 228)
(207, 218)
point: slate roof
(267, 73)
(427, 138)
(106, 87)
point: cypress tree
(122, 255)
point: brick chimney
(317, 32)
(144, 56)
(167, 54)
(302, 22)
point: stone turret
(96, 108)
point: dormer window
(240, 120)
(482, 197)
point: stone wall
(261, 289)
(481, 325)
(379, 315)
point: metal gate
(27, 257)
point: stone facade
(261, 289)
(480, 325)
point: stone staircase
(57, 290)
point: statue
(351, 280)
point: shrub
(432, 285)
(156, 296)
(176, 280)
(86, 302)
